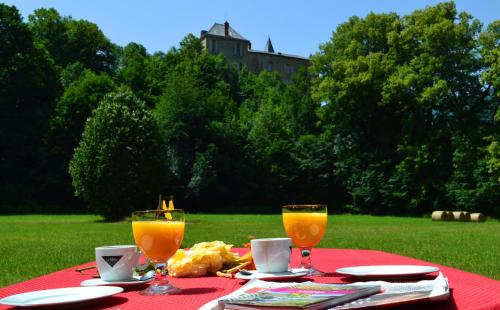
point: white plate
(291, 274)
(387, 271)
(127, 283)
(60, 296)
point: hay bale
(440, 216)
(477, 217)
(461, 216)
(457, 215)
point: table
(468, 290)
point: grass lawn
(34, 245)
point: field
(34, 245)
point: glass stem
(305, 260)
(161, 274)
(160, 285)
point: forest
(395, 115)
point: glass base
(311, 271)
(160, 289)
(306, 263)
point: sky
(295, 27)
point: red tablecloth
(468, 290)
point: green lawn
(38, 244)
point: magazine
(392, 293)
(403, 293)
(306, 295)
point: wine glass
(305, 225)
(159, 233)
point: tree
(157, 66)
(119, 165)
(185, 113)
(292, 161)
(87, 44)
(28, 85)
(397, 92)
(74, 107)
(311, 171)
(490, 49)
(132, 70)
(68, 41)
(300, 108)
(67, 123)
(197, 113)
(493, 152)
(71, 73)
(269, 139)
(50, 30)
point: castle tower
(269, 46)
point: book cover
(305, 295)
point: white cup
(271, 254)
(116, 262)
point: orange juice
(158, 240)
(305, 228)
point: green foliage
(68, 119)
(76, 104)
(300, 109)
(490, 50)
(28, 86)
(182, 115)
(49, 29)
(71, 73)
(400, 92)
(156, 66)
(294, 163)
(118, 166)
(471, 186)
(132, 69)
(270, 141)
(198, 116)
(493, 152)
(68, 40)
(312, 169)
(88, 45)
(187, 114)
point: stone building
(222, 38)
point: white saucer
(60, 296)
(384, 271)
(291, 274)
(127, 283)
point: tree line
(395, 115)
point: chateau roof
(218, 30)
(278, 54)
